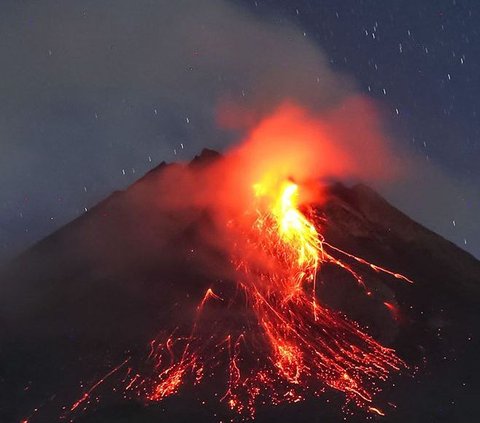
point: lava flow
(291, 346)
(263, 336)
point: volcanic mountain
(81, 301)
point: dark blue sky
(95, 93)
(425, 55)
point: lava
(86, 396)
(300, 346)
(263, 336)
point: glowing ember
(290, 346)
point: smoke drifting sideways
(112, 93)
(104, 91)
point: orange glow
(299, 237)
(294, 229)
(377, 411)
(302, 346)
(275, 341)
(170, 384)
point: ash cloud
(97, 92)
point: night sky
(95, 93)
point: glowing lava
(263, 336)
(291, 346)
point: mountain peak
(206, 157)
(126, 269)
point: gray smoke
(95, 93)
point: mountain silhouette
(98, 290)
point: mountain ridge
(107, 281)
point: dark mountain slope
(76, 302)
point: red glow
(263, 196)
(393, 309)
(301, 345)
(84, 399)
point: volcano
(83, 304)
